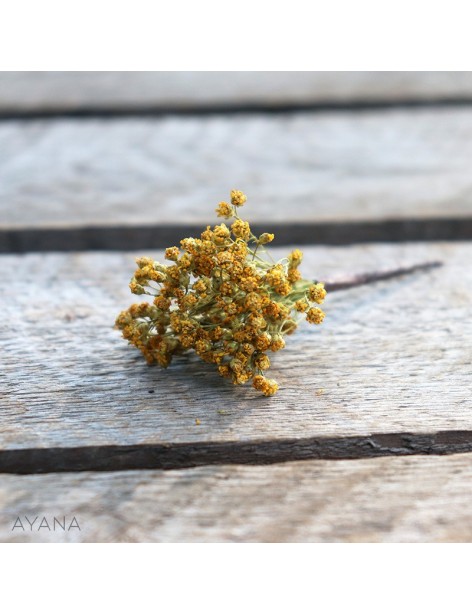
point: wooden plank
(70, 91)
(389, 358)
(304, 168)
(418, 499)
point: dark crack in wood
(131, 238)
(113, 111)
(264, 452)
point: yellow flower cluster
(221, 298)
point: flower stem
(362, 279)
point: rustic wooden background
(370, 436)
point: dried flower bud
(224, 210)
(241, 229)
(315, 315)
(238, 198)
(265, 237)
(317, 293)
(172, 253)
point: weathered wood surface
(63, 91)
(395, 357)
(420, 499)
(301, 168)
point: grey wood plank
(30, 91)
(417, 499)
(302, 168)
(395, 357)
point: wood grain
(418, 499)
(304, 168)
(395, 357)
(63, 91)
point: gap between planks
(83, 91)
(123, 238)
(263, 452)
(115, 111)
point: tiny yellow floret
(224, 210)
(315, 315)
(238, 198)
(317, 293)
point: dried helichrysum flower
(314, 315)
(238, 198)
(221, 298)
(266, 237)
(317, 293)
(224, 210)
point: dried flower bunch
(223, 299)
